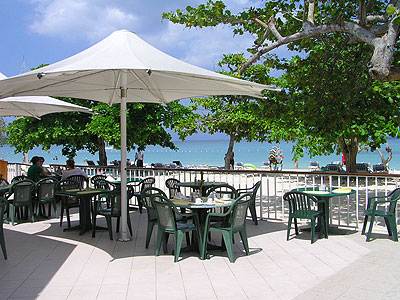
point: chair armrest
(247, 190)
(375, 197)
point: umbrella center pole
(124, 201)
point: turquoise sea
(207, 152)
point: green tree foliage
(146, 125)
(296, 23)
(3, 132)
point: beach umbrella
(123, 68)
(36, 106)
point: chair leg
(393, 227)
(387, 223)
(178, 244)
(150, 226)
(296, 228)
(118, 221)
(12, 208)
(68, 218)
(2, 242)
(62, 212)
(165, 244)
(129, 224)
(55, 209)
(160, 237)
(109, 227)
(253, 212)
(94, 219)
(365, 224)
(140, 204)
(288, 228)
(243, 236)
(312, 230)
(227, 236)
(203, 251)
(371, 224)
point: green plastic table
(323, 202)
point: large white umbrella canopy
(122, 68)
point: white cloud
(79, 19)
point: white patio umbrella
(122, 68)
(36, 106)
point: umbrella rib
(150, 88)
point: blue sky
(38, 32)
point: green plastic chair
(46, 188)
(141, 185)
(389, 215)
(151, 211)
(22, 197)
(233, 221)
(168, 224)
(252, 206)
(3, 206)
(173, 188)
(223, 189)
(67, 202)
(111, 210)
(301, 206)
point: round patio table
(323, 203)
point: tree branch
(311, 8)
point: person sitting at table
(37, 170)
(72, 170)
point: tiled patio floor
(47, 263)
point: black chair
(252, 206)
(144, 183)
(109, 211)
(95, 178)
(173, 188)
(46, 189)
(3, 206)
(66, 201)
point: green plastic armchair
(233, 221)
(112, 209)
(3, 206)
(22, 196)
(46, 188)
(389, 215)
(301, 206)
(151, 211)
(252, 206)
(167, 222)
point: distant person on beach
(36, 171)
(72, 170)
(139, 158)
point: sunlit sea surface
(207, 152)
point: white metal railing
(344, 210)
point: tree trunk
(102, 152)
(385, 161)
(229, 153)
(349, 148)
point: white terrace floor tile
(47, 263)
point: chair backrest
(22, 191)
(18, 178)
(79, 179)
(146, 200)
(114, 200)
(255, 188)
(174, 189)
(94, 178)
(165, 213)
(46, 188)
(104, 184)
(67, 184)
(239, 211)
(394, 195)
(147, 182)
(223, 189)
(299, 201)
(3, 181)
